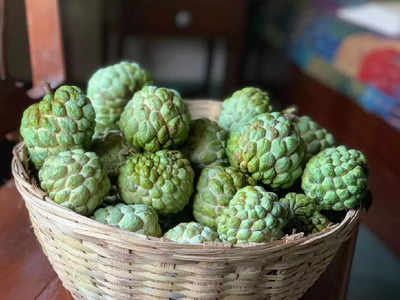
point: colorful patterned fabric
(363, 65)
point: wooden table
(25, 272)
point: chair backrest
(47, 60)
(3, 40)
(45, 44)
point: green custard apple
(206, 144)
(113, 151)
(316, 223)
(302, 211)
(137, 218)
(191, 233)
(242, 106)
(75, 179)
(268, 147)
(253, 215)
(62, 120)
(299, 206)
(215, 188)
(337, 178)
(314, 136)
(110, 88)
(162, 180)
(155, 119)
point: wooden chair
(45, 44)
(12, 98)
(47, 60)
(205, 19)
(19, 251)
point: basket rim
(31, 192)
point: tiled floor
(376, 271)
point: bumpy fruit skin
(191, 233)
(242, 106)
(113, 151)
(137, 218)
(206, 144)
(110, 88)
(75, 179)
(315, 137)
(216, 187)
(337, 178)
(316, 223)
(299, 206)
(253, 215)
(270, 148)
(162, 180)
(301, 210)
(63, 120)
(155, 118)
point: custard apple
(162, 180)
(110, 88)
(300, 211)
(155, 118)
(113, 151)
(206, 144)
(191, 233)
(253, 215)
(336, 178)
(75, 179)
(242, 106)
(216, 187)
(299, 206)
(137, 218)
(63, 120)
(270, 148)
(316, 223)
(315, 137)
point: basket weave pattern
(95, 261)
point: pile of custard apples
(126, 153)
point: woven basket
(95, 261)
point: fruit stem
(291, 110)
(47, 88)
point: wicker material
(95, 261)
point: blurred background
(337, 60)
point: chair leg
(3, 41)
(105, 35)
(114, 34)
(233, 66)
(209, 66)
(44, 32)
